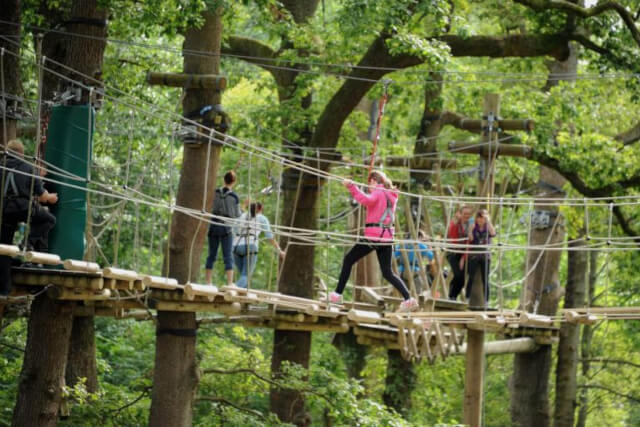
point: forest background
(465, 50)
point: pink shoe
(409, 305)
(335, 298)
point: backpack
(224, 203)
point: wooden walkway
(438, 329)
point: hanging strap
(10, 181)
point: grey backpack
(225, 204)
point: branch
(352, 90)
(512, 45)
(586, 12)
(624, 224)
(242, 371)
(630, 136)
(145, 391)
(252, 51)
(607, 389)
(233, 405)
(578, 183)
(605, 361)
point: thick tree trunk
(42, 376)
(541, 293)
(10, 12)
(400, 382)
(585, 344)
(85, 55)
(566, 370)
(81, 362)
(51, 322)
(296, 279)
(430, 126)
(176, 370)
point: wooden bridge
(438, 329)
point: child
(381, 206)
(479, 258)
(245, 244)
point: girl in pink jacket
(381, 206)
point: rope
(383, 101)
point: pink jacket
(376, 204)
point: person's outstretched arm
(362, 198)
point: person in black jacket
(23, 189)
(225, 204)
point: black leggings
(384, 253)
(484, 265)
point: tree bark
(176, 369)
(585, 344)
(296, 277)
(10, 64)
(430, 127)
(81, 362)
(42, 376)
(400, 382)
(85, 55)
(541, 294)
(566, 369)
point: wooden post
(474, 374)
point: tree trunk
(85, 55)
(430, 126)
(541, 293)
(296, 277)
(566, 370)
(45, 359)
(51, 321)
(81, 361)
(400, 382)
(585, 345)
(176, 370)
(10, 11)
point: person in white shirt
(245, 242)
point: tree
(44, 366)
(176, 369)
(11, 32)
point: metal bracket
(541, 219)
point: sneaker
(335, 298)
(409, 305)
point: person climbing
(23, 195)
(225, 204)
(412, 249)
(245, 243)
(378, 235)
(479, 258)
(457, 234)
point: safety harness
(10, 182)
(388, 213)
(246, 234)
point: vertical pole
(474, 375)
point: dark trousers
(457, 283)
(482, 264)
(42, 221)
(215, 241)
(384, 253)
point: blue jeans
(245, 262)
(227, 243)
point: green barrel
(69, 142)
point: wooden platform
(438, 329)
